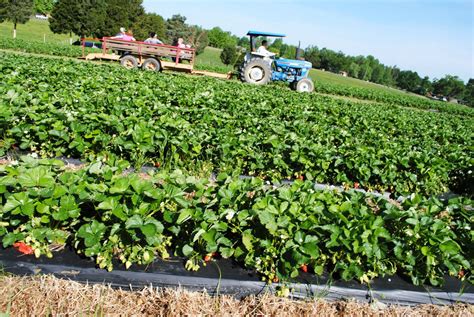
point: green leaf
(10, 238)
(120, 186)
(110, 203)
(148, 230)
(311, 249)
(36, 177)
(184, 215)
(450, 247)
(247, 241)
(226, 253)
(318, 270)
(187, 250)
(134, 221)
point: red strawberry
(356, 185)
(275, 279)
(157, 164)
(207, 258)
(23, 248)
(301, 177)
(304, 268)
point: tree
(408, 80)
(84, 18)
(425, 86)
(287, 51)
(311, 54)
(377, 73)
(277, 43)
(44, 6)
(229, 55)
(449, 86)
(176, 27)
(149, 22)
(16, 11)
(220, 39)
(366, 71)
(244, 41)
(469, 93)
(198, 38)
(388, 76)
(121, 13)
(3, 10)
(354, 69)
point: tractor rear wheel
(129, 61)
(256, 71)
(151, 64)
(305, 85)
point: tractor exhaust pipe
(298, 51)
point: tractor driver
(263, 50)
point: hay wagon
(150, 57)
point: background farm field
(228, 126)
(31, 35)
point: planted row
(106, 212)
(396, 98)
(36, 47)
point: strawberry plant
(107, 213)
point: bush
(229, 55)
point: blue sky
(433, 37)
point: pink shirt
(127, 37)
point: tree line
(98, 18)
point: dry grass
(47, 295)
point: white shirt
(153, 41)
(263, 51)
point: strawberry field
(190, 128)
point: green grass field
(33, 30)
(210, 59)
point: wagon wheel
(129, 61)
(151, 64)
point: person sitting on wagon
(153, 39)
(126, 36)
(184, 55)
(120, 34)
(181, 43)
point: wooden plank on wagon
(212, 74)
(174, 66)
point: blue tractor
(260, 69)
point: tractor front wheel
(304, 85)
(256, 71)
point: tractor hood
(293, 63)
